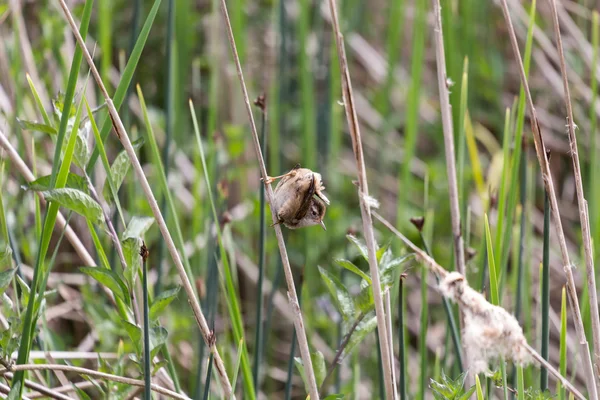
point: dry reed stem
(385, 342)
(24, 170)
(292, 296)
(445, 108)
(43, 390)
(437, 269)
(584, 217)
(207, 334)
(549, 185)
(96, 374)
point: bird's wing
(305, 202)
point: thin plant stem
(147, 366)
(292, 296)
(338, 354)
(584, 216)
(365, 208)
(262, 236)
(401, 340)
(121, 133)
(549, 186)
(459, 247)
(96, 374)
(545, 292)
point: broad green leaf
(137, 227)
(341, 297)
(336, 396)
(131, 251)
(6, 278)
(135, 334)
(362, 248)
(353, 268)
(318, 362)
(319, 367)
(58, 104)
(362, 330)
(15, 392)
(157, 366)
(5, 256)
(77, 201)
(119, 169)
(162, 301)
(82, 395)
(37, 127)
(25, 291)
(82, 152)
(364, 300)
(384, 253)
(386, 272)
(158, 337)
(74, 181)
(109, 279)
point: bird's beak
(323, 225)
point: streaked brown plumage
(299, 199)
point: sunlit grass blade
(236, 369)
(162, 179)
(38, 101)
(59, 179)
(478, 391)
(476, 169)
(520, 383)
(494, 297)
(461, 137)
(563, 342)
(126, 78)
(423, 335)
(105, 163)
(232, 300)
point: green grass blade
(478, 391)
(233, 305)
(70, 92)
(237, 367)
(104, 158)
(412, 112)
(41, 270)
(125, 79)
(545, 292)
(563, 342)
(491, 264)
(38, 101)
(520, 383)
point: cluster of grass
(93, 255)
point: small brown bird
(299, 199)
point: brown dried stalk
(549, 185)
(438, 270)
(459, 247)
(90, 372)
(207, 334)
(584, 216)
(292, 296)
(385, 342)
